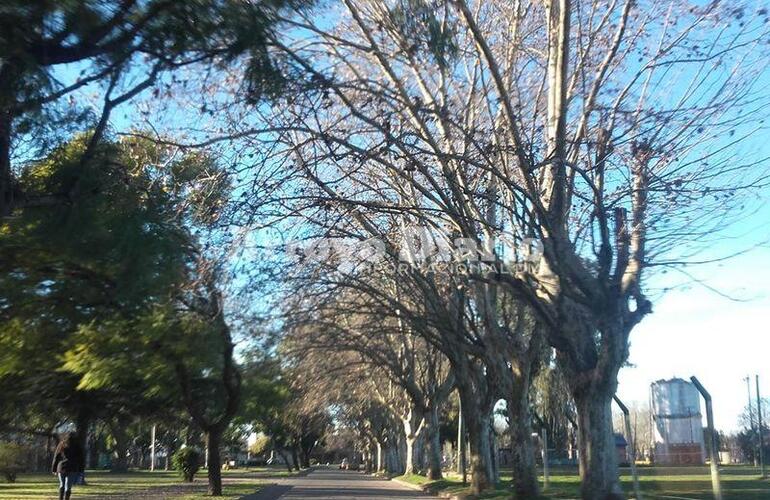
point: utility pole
(760, 433)
(461, 468)
(751, 413)
(152, 448)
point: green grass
(414, 479)
(450, 485)
(265, 471)
(148, 485)
(738, 483)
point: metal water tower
(678, 429)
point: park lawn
(738, 483)
(141, 484)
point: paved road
(333, 484)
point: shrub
(260, 445)
(11, 460)
(187, 462)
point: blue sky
(693, 330)
(697, 330)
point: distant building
(678, 429)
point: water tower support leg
(632, 444)
(713, 452)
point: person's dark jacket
(68, 458)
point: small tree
(11, 460)
(187, 462)
(260, 446)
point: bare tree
(346, 322)
(608, 131)
(364, 399)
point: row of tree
(482, 184)
(476, 191)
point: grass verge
(157, 485)
(673, 483)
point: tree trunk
(371, 456)
(394, 465)
(82, 423)
(476, 421)
(93, 453)
(380, 457)
(213, 443)
(525, 482)
(285, 459)
(413, 425)
(419, 452)
(6, 124)
(49, 450)
(477, 424)
(493, 452)
(596, 446)
(304, 454)
(295, 457)
(409, 462)
(433, 437)
(120, 463)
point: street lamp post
(760, 432)
(546, 475)
(152, 448)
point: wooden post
(713, 452)
(632, 444)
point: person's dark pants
(66, 480)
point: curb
(304, 472)
(426, 489)
(411, 486)
(442, 494)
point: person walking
(68, 464)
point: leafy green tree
(63, 268)
(260, 446)
(267, 395)
(187, 462)
(79, 280)
(275, 407)
(11, 460)
(123, 46)
(155, 326)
